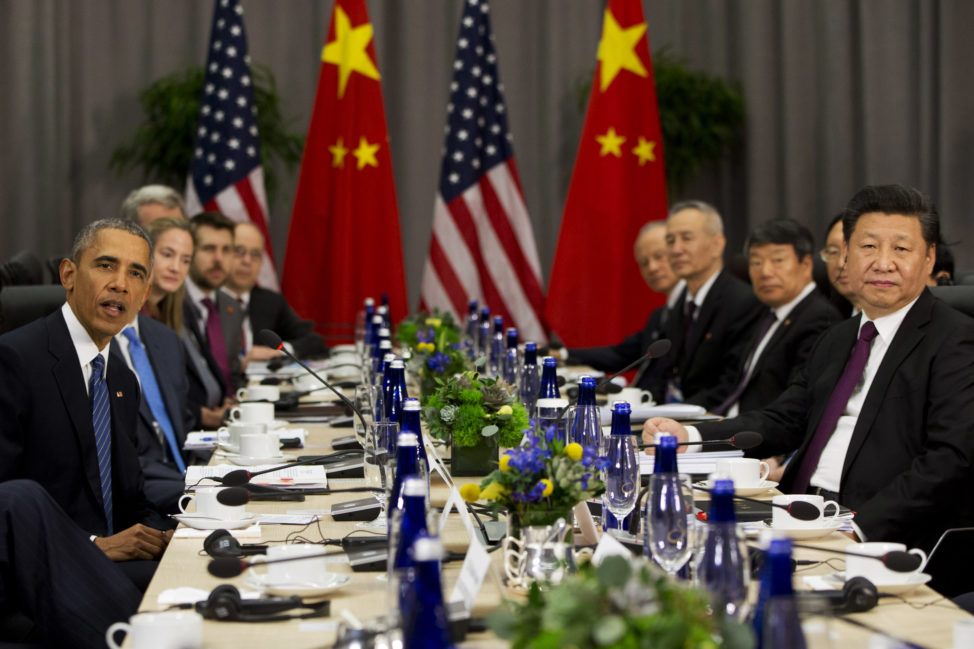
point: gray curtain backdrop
(839, 93)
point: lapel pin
(708, 336)
(119, 394)
(229, 309)
(787, 321)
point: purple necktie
(218, 346)
(739, 390)
(833, 410)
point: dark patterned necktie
(101, 421)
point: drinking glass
(669, 522)
(378, 468)
(363, 402)
(621, 477)
(360, 331)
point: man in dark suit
(68, 411)
(842, 295)
(713, 314)
(56, 586)
(164, 412)
(780, 266)
(654, 265)
(881, 416)
(212, 320)
(265, 309)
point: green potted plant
(435, 351)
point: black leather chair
(22, 304)
(959, 297)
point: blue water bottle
(407, 523)
(394, 394)
(622, 474)
(471, 326)
(509, 365)
(407, 465)
(423, 614)
(410, 423)
(777, 624)
(483, 333)
(722, 569)
(549, 379)
(530, 380)
(496, 347)
(586, 428)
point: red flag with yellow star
(596, 295)
(344, 242)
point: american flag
(482, 245)
(226, 174)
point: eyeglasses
(254, 253)
(829, 254)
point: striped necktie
(101, 420)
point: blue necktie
(101, 420)
(150, 388)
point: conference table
(922, 616)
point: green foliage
(467, 408)
(162, 145)
(616, 605)
(700, 115)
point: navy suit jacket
(783, 356)
(46, 432)
(269, 310)
(719, 333)
(908, 469)
(168, 359)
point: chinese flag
(344, 243)
(596, 295)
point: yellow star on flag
(644, 151)
(617, 50)
(611, 143)
(338, 152)
(365, 153)
(348, 50)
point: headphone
(225, 605)
(220, 543)
(857, 596)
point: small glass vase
(477, 460)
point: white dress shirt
(83, 344)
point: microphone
(227, 567)
(743, 440)
(240, 477)
(895, 560)
(271, 339)
(803, 511)
(220, 543)
(236, 496)
(657, 349)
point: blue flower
(601, 463)
(438, 362)
(425, 335)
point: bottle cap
(473, 307)
(377, 319)
(383, 332)
(397, 364)
(549, 361)
(621, 407)
(369, 302)
(410, 404)
(388, 357)
(414, 486)
(667, 442)
(383, 308)
(385, 343)
(485, 313)
(587, 381)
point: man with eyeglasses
(263, 308)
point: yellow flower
(434, 322)
(505, 410)
(574, 451)
(505, 461)
(493, 491)
(426, 347)
(470, 492)
(549, 487)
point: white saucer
(246, 460)
(198, 522)
(837, 580)
(805, 533)
(756, 490)
(334, 581)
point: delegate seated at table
(882, 416)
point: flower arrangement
(617, 604)
(469, 408)
(434, 340)
(541, 480)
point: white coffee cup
(229, 436)
(744, 471)
(259, 445)
(635, 396)
(163, 630)
(259, 393)
(252, 413)
(874, 570)
(828, 511)
(964, 633)
(207, 505)
(301, 571)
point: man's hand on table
(136, 542)
(664, 425)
